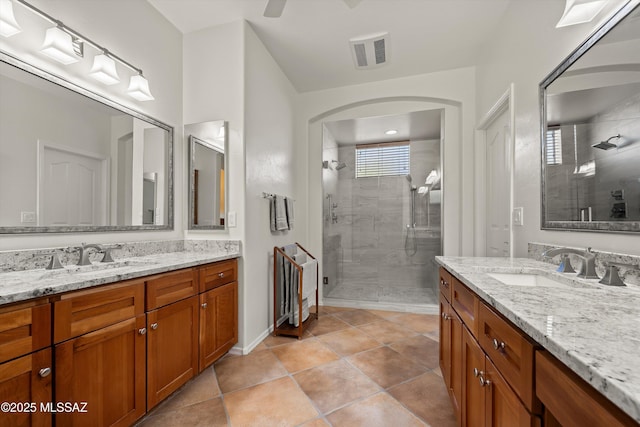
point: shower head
(339, 165)
(606, 145)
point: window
(553, 148)
(384, 159)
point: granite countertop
(27, 284)
(592, 328)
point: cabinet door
(473, 368)
(172, 343)
(105, 369)
(502, 406)
(456, 363)
(445, 341)
(27, 380)
(218, 322)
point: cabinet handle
(445, 316)
(44, 372)
(476, 372)
(498, 345)
(221, 275)
(204, 305)
(484, 382)
(142, 331)
(154, 326)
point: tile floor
(352, 368)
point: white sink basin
(516, 279)
(94, 268)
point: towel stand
(285, 328)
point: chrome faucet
(84, 253)
(587, 268)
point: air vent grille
(370, 51)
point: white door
(72, 188)
(498, 175)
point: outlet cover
(232, 219)
(518, 216)
(27, 217)
(325, 280)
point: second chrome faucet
(587, 269)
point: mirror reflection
(207, 179)
(71, 163)
(591, 134)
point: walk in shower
(382, 218)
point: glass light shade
(580, 11)
(139, 88)
(58, 45)
(8, 24)
(104, 70)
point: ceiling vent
(370, 51)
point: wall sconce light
(8, 24)
(104, 69)
(59, 45)
(66, 45)
(580, 11)
(139, 88)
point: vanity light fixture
(580, 11)
(67, 46)
(139, 88)
(104, 69)
(8, 24)
(59, 45)
(391, 132)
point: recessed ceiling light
(391, 132)
(580, 11)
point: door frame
(506, 102)
(42, 145)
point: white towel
(289, 207)
(309, 278)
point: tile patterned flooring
(352, 368)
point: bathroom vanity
(109, 344)
(522, 345)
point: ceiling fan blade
(352, 3)
(274, 8)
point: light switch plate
(518, 216)
(232, 219)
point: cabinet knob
(220, 274)
(498, 345)
(484, 382)
(44, 372)
(142, 331)
(445, 316)
(477, 372)
(204, 305)
(154, 326)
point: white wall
(453, 90)
(271, 167)
(138, 33)
(525, 49)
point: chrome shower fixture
(325, 164)
(606, 145)
(339, 165)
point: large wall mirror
(590, 136)
(73, 161)
(207, 174)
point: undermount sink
(516, 279)
(93, 268)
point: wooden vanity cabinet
(100, 354)
(451, 354)
(25, 362)
(172, 338)
(570, 401)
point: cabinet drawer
(511, 353)
(571, 401)
(168, 288)
(218, 274)
(445, 283)
(466, 305)
(23, 329)
(77, 313)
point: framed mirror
(74, 161)
(590, 133)
(208, 145)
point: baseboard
(389, 306)
(237, 350)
